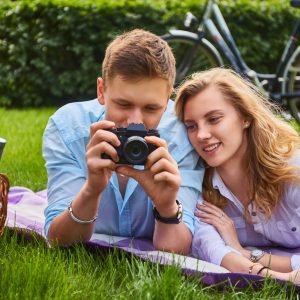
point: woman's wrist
(245, 252)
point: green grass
(30, 270)
(22, 159)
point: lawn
(30, 270)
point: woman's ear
(247, 123)
(100, 90)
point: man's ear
(100, 90)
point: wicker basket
(4, 187)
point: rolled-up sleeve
(208, 245)
(188, 194)
(191, 181)
(65, 175)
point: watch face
(256, 252)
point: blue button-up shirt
(64, 144)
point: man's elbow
(176, 246)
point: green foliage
(51, 51)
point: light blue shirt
(64, 142)
(282, 229)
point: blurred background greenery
(51, 50)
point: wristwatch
(256, 255)
(173, 220)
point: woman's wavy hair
(271, 141)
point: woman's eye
(190, 127)
(214, 120)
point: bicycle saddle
(295, 3)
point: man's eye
(151, 109)
(124, 105)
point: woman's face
(215, 128)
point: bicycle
(194, 52)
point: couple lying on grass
(244, 191)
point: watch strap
(172, 220)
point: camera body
(133, 149)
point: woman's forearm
(274, 262)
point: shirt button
(294, 228)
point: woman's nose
(203, 133)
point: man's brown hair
(139, 54)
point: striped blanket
(26, 211)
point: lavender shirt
(282, 229)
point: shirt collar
(219, 184)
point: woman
(251, 184)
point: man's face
(126, 102)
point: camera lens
(135, 150)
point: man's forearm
(175, 238)
(65, 231)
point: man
(88, 191)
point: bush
(51, 50)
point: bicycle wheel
(192, 55)
(292, 84)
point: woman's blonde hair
(271, 141)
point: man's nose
(135, 116)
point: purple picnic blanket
(26, 211)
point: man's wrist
(175, 219)
(90, 193)
(168, 211)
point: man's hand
(160, 179)
(99, 170)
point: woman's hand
(211, 214)
(295, 277)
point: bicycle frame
(228, 47)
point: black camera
(2, 145)
(133, 149)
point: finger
(129, 171)
(163, 165)
(101, 150)
(97, 165)
(158, 142)
(104, 135)
(157, 155)
(204, 215)
(212, 221)
(105, 124)
(212, 209)
(171, 179)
